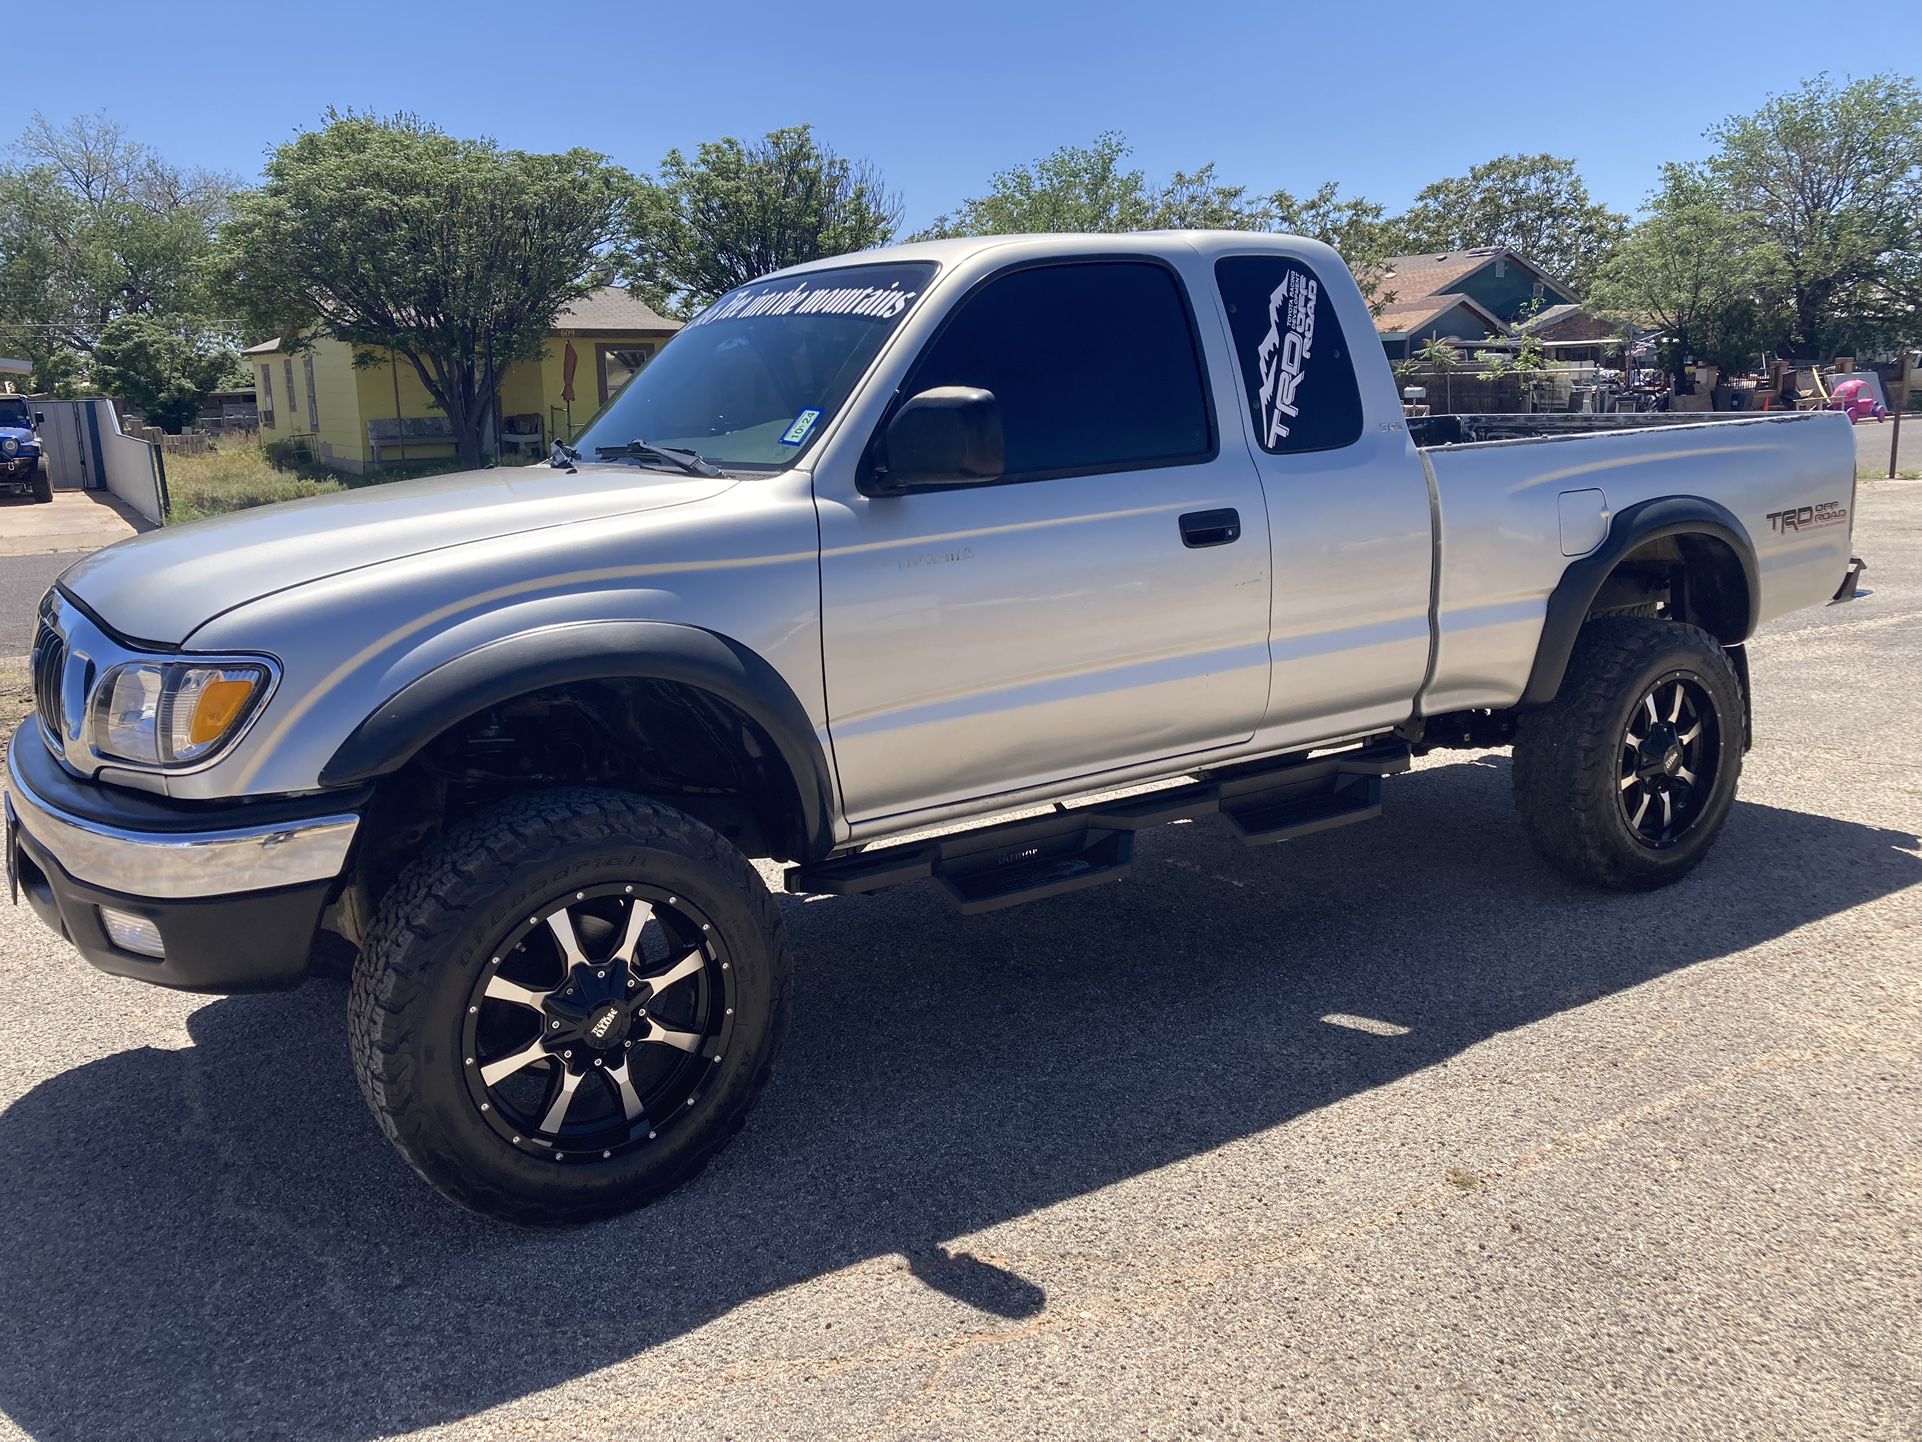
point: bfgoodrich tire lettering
(458, 950)
(1628, 776)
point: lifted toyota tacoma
(878, 548)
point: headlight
(171, 713)
(10, 446)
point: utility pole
(1897, 405)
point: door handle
(1210, 528)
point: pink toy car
(1857, 401)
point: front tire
(42, 487)
(1628, 776)
(566, 1007)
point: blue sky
(1382, 97)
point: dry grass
(233, 478)
(16, 697)
(242, 474)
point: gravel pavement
(1384, 1133)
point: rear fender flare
(1581, 583)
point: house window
(293, 404)
(313, 403)
(1501, 266)
(267, 397)
(616, 365)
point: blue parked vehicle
(20, 469)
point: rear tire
(1628, 776)
(565, 1008)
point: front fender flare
(551, 656)
(1581, 583)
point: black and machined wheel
(42, 487)
(1626, 778)
(567, 1006)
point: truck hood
(161, 587)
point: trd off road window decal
(1295, 366)
(1284, 351)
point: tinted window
(1094, 365)
(749, 381)
(1299, 376)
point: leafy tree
(1087, 188)
(390, 234)
(1195, 200)
(1534, 204)
(1440, 355)
(165, 369)
(1359, 229)
(737, 211)
(1694, 269)
(94, 226)
(1831, 177)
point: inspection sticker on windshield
(798, 432)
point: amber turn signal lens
(219, 705)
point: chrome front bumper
(177, 865)
(223, 899)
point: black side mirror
(39, 418)
(948, 436)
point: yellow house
(363, 418)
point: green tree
(1195, 200)
(1083, 188)
(1831, 177)
(1440, 355)
(390, 234)
(737, 211)
(1535, 204)
(1357, 228)
(1694, 268)
(94, 226)
(165, 369)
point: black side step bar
(1073, 847)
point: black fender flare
(557, 655)
(1581, 583)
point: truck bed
(1511, 513)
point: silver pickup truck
(1091, 533)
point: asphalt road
(23, 581)
(1383, 1133)
(1873, 441)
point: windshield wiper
(680, 459)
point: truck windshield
(13, 412)
(751, 380)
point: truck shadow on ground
(217, 1242)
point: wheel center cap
(606, 1025)
(1672, 758)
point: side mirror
(39, 418)
(948, 436)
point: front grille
(49, 666)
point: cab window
(1094, 364)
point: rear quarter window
(1296, 368)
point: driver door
(1102, 603)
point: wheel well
(667, 740)
(1691, 577)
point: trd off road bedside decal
(1295, 366)
(1808, 518)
